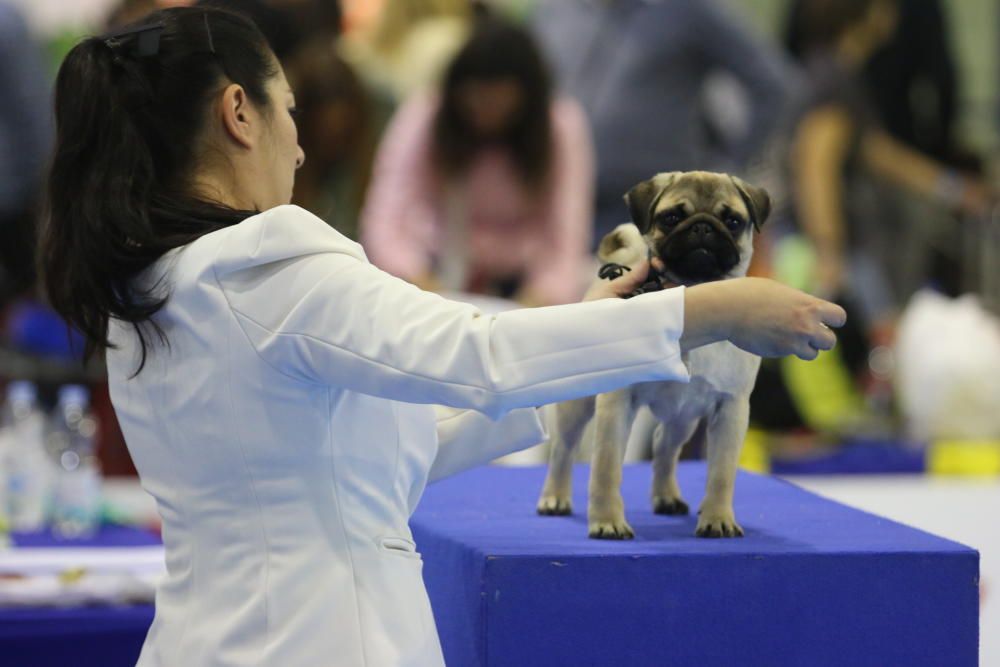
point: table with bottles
(74, 589)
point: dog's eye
(733, 222)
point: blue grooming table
(813, 583)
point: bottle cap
(22, 391)
(74, 394)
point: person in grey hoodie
(25, 137)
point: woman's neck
(210, 185)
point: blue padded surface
(813, 582)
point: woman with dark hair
(486, 186)
(275, 388)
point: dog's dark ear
(642, 198)
(757, 201)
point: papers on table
(68, 576)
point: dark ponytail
(129, 110)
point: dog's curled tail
(623, 245)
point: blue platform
(813, 583)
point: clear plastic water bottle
(27, 470)
(76, 508)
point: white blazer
(286, 432)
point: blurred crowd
(484, 148)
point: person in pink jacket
(486, 185)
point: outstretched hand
(760, 316)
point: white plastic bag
(948, 368)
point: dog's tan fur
(712, 410)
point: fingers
(824, 339)
(807, 353)
(636, 276)
(816, 335)
(832, 315)
(621, 286)
(630, 280)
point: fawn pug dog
(695, 227)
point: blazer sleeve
(467, 438)
(314, 309)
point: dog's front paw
(606, 517)
(555, 506)
(671, 506)
(611, 530)
(718, 524)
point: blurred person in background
(409, 45)
(911, 79)
(318, 20)
(287, 34)
(340, 120)
(839, 144)
(838, 156)
(25, 138)
(128, 11)
(640, 68)
(486, 186)
(913, 87)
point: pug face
(700, 224)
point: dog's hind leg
(726, 430)
(669, 439)
(606, 510)
(571, 419)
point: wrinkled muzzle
(699, 249)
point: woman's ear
(238, 117)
